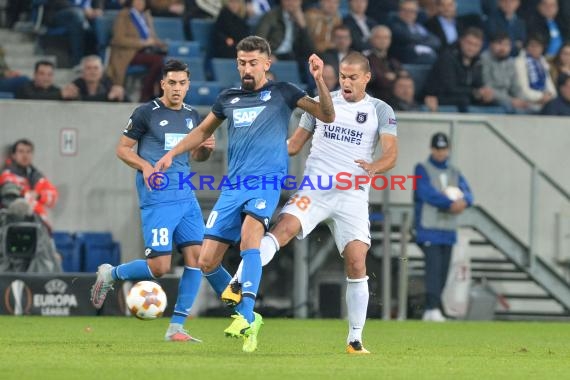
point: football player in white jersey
(341, 150)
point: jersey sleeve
(137, 124)
(291, 94)
(386, 119)
(218, 108)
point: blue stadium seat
(286, 71)
(195, 64)
(419, 74)
(103, 27)
(98, 248)
(69, 249)
(494, 110)
(201, 30)
(6, 95)
(184, 48)
(169, 28)
(225, 71)
(203, 93)
(466, 7)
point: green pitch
(108, 348)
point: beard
(249, 84)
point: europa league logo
(18, 298)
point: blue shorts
(224, 222)
(181, 222)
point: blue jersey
(258, 124)
(157, 130)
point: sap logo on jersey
(171, 139)
(245, 117)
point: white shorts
(345, 214)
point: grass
(126, 348)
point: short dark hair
(473, 31)
(499, 36)
(254, 43)
(43, 62)
(23, 142)
(175, 65)
(536, 38)
(356, 58)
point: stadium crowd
(487, 56)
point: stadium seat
(169, 28)
(225, 71)
(286, 71)
(195, 64)
(184, 48)
(203, 93)
(69, 249)
(97, 248)
(6, 95)
(419, 74)
(494, 110)
(201, 30)
(466, 7)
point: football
(146, 300)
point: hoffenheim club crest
(189, 123)
(361, 117)
(265, 96)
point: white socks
(356, 305)
(267, 250)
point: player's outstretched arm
(126, 153)
(323, 109)
(191, 141)
(296, 142)
(388, 159)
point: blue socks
(132, 271)
(187, 291)
(219, 278)
(251, 277)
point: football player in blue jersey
(169, 213)
(257, 120)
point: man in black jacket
(457, 76)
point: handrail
(469, 119)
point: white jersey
(351, 136)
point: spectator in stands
(330, 76)
(321, 21)
(383, 68)
(230, 28)
(441, 194)
(447, 26)
(564, 19)
(42, 87)
(560, 106)
(506, 19)
(499, 74)
(285, 28)
(40, 193)
(457, 75)
(10, 80)
(561, 63)
(412, 42)
(76, 17)
(360, 24)
(93, 85)
(533, 73)
(404, 94)
(543, 21)
(135, 43)
(166, 8)
(15, 8)
(429, 8)
(381, 10)
(341, 46)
